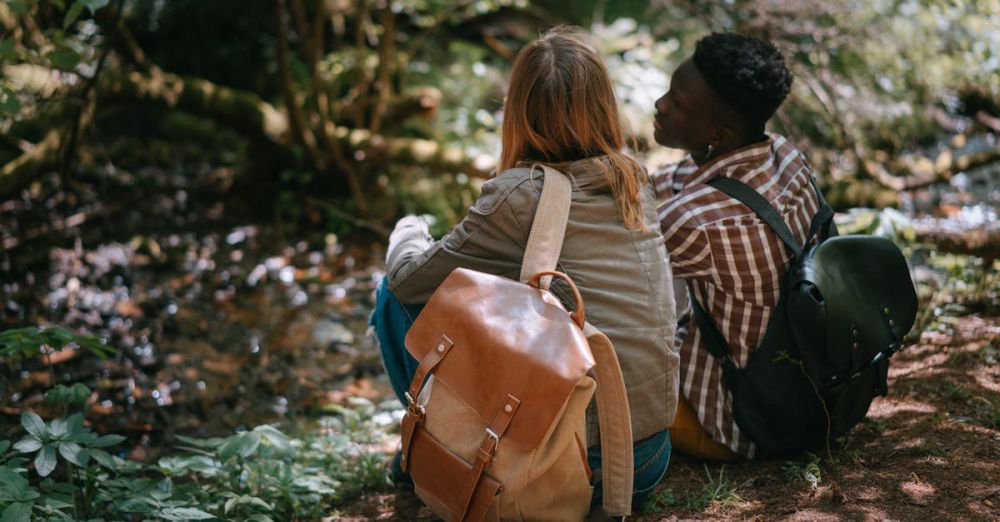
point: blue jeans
(392, 319)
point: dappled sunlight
(202, 192)
(988, 377)
(890, 407)
(918, 491)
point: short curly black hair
(748, 74)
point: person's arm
(663, 180)
(686, 241)
(669, 180)
(489, 239)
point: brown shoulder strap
(541, 254)
(615, 420)
(615, 423)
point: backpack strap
(548, 229)
(541, 254)
(823, 218)
(762, 207)
(614, 420)
(715, 342)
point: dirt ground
(930, 450)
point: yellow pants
(687, 436)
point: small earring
(711, 149)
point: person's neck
(745, 140)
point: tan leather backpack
(497, 430)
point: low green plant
(876, 424)
(659, 500)
(61, 470)
(930, 448)
(719, 490)
(804, 471)
(955, 392)
(987, 412)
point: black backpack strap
(823, 218)
(751, 198)
(714, 341)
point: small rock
(327, 332)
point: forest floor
(222, 323)
(930, 450)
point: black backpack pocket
(774, 401)
(848, 402)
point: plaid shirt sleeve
(685, 239)
(663, 180)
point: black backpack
(845, 304)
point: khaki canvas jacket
(624, 275)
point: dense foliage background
(194, 198)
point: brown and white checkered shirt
(734, 261)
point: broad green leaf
(76, 394)
(57, 504)
(249, 444)
(65, 60)
(138, 505)
(72, 452)
(95, 346)
(28, 444)
(72, 14)
(7, 51)
(164, 490)
(19, 7)
(106, 440)
(242, 443)
(76, 423)
(104, 458)
(45, 461)
(260, 517)
(12, 484)
(58, 336)
(58, 428)
(33, 424)
(257, 501)
(4, 445)
(277, 439)
(17, 512)
(185, 513)
(211, 444)
(94, 5)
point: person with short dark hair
(716, 109)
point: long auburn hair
(561, 107)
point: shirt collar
(749, 156)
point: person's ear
(722, 135)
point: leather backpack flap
(869, 298)
(509, 339)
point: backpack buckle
(415, 409)
(488, 447)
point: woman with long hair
(560, 111)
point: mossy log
(983, 241)
(252, 117)
(920, 171)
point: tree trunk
(982, 242)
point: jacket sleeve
(490, 239)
